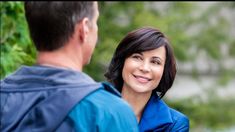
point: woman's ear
(83, 29)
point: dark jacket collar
(156, 115)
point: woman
(143, 69)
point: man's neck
(59, 60)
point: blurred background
(202, 35)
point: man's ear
(83, 29)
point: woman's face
(142, 72)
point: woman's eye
(156, 62)
(137, 57)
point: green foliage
(225, 75)
(15, 42)
(213, 33)
(215, 113)
(232, 48)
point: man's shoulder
(102, 111)
(104, 100)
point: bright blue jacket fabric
(96, 109)
(46, 99)
(158, 117)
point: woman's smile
(142, 79)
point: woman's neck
(136, 100)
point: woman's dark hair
(137, 41)
(51, 24)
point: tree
(15, 44)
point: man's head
(53, 24)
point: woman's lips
(142, 79)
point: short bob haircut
(137, 41)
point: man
(54, 94)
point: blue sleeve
(103, 112)
(123, 120)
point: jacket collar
(156, 115)
(43, 77)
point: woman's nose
(145, 67)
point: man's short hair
(51, 24)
